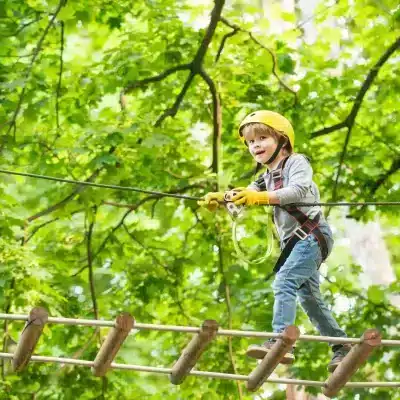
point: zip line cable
(100, 185)
(180, 196)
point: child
(305, 236)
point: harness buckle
(276, 174)
(300, 233)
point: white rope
(210, 374)
(191, 329)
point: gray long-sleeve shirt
(298, 187)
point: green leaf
(376, 294)
(67, 12)
(156, 140)
(105, 159)
(286, 63)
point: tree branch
(171, 112)
(342, 156)
(89, 235)
(146, 249)
(369, 80)
(38, 228)
(144, 82)
(217, 120)
(223, 41)
(22, 27)
(395, 167)
(330, 129)
(271, 53)
(30, 67)
(198, 219)
(79, 352)
(311, 17)
(350, 119)
(194, 67)
(60, 78)
(185, 240)
(215, 17)
(132, 207)
(6, 123)
(103, 244)
(274, 67)
(77, 190)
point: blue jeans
(299, 276)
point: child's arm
(300, 180)
(273, 198)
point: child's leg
(302, 263)
(319, 314)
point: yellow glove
(211, 200)
(250, 197)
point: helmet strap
(281, 143)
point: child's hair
(258, 128)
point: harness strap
(307, 225)
(281, 143)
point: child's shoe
(339, 352)
(260, 351)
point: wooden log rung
(29, 337)
(352, 362)
(193, 351)
(268, 364)
(109, 349)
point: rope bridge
(202, 336)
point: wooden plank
(352, 362)
(193, 351)
(265, 368)
(29, 337)
(109, 349)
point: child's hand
(250, 197)
(211, 200)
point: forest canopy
(149, 94)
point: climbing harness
(237, 213)
(306, 227)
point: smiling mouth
(260, 152)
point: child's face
(261, 145)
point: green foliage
(165, 260)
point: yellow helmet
(272, 119)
